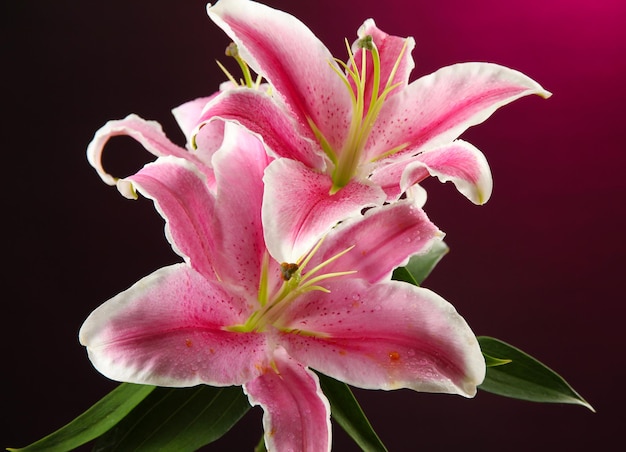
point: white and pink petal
(460, 163)
(298, 209)
(296, 413)
(282, 49)
(384, 238)
(434, 110)
(236, 224)
(384, 336)
(168, 329)
(270, 121)
(182, 197)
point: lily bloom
(359, 131)
(235, 313)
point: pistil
(233, 51)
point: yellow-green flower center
(347, 160)
(297, 279)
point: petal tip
(127, 189)
(545, 94)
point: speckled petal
(434, 110)
(237, 227)
(181, 196)
(296, 413)
(297, 64)
(385, 336)
(168, 330)
(270, 121)
(298, 208)
(383, 239)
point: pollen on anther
(288, 270)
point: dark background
(540, 266)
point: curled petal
(385, 336)
(298, 208)
(296, 412)
(148, 133)
(434, 110)
(181, 196)
(460, 163)
(271, 122)
(383, 239)
(284, 51)
(167, 330)
(417, 195)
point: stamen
(294, 285)
(344, 79)
(228, 74)
(396, 65)
(323, 141)
(350, 155)
(390, 152)
(304, 260)
(263, 279)
(308, 284)
(259, 79)
(325, 263)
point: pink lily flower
(354, 134)
(232, 314)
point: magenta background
(540, 266)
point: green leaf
(525, 377)
(260, 447)
(180, 419)
(420, 265)
(98, 419)
(349, 415)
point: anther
(288, 270)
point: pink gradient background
(540, 266)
